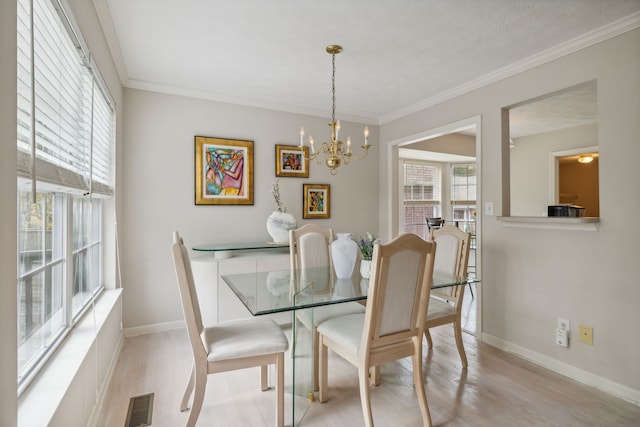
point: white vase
(343, 288)
(344, 251)
(278, 226)
(365, 268)
(364, 286)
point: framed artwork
(292, 161)
(317, 201)
(224, 171)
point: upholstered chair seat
(241, 338)
(439, 308)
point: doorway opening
(438, 174)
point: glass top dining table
(279, 290)
(310, 289)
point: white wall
(8, 236)
(158, 195)
(532, 276)
(530, 174)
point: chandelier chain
(333, 88)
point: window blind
(421, 182)
(62, 103)
(463, 183)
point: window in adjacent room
(463, 196)
(422, 194)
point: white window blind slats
(73, 131)
(24, 122)
(24, 83)
(463, 184)
(58, 112)
(102, 126)
(422, 181)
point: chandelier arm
(324, 149)
(365, 147)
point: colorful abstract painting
(224, 171)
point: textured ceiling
(399, 55)
(572, 107)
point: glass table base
(299, 393)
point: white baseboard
(610, 387)
(156, 327)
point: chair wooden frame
(446, 304)
(237, 332)
(401, 277)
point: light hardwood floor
(497, 389)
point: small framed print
(292, 161)
(224, 171)
(317, 201)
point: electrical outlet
(562, 337)
(563, 330)
(564, 325)
(586, 334)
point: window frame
(434, 203)
(468, 205)
(79, 176)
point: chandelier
(335, 152)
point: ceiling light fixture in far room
(335, 152)
(586, 158)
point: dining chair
(309, 248)
(392, 326)
(445, 304)
(434, 223)
(227, 346)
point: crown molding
(591, 38)
(211, 96)
(106, 22)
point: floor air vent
(140, 410)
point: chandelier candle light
(335, 152)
